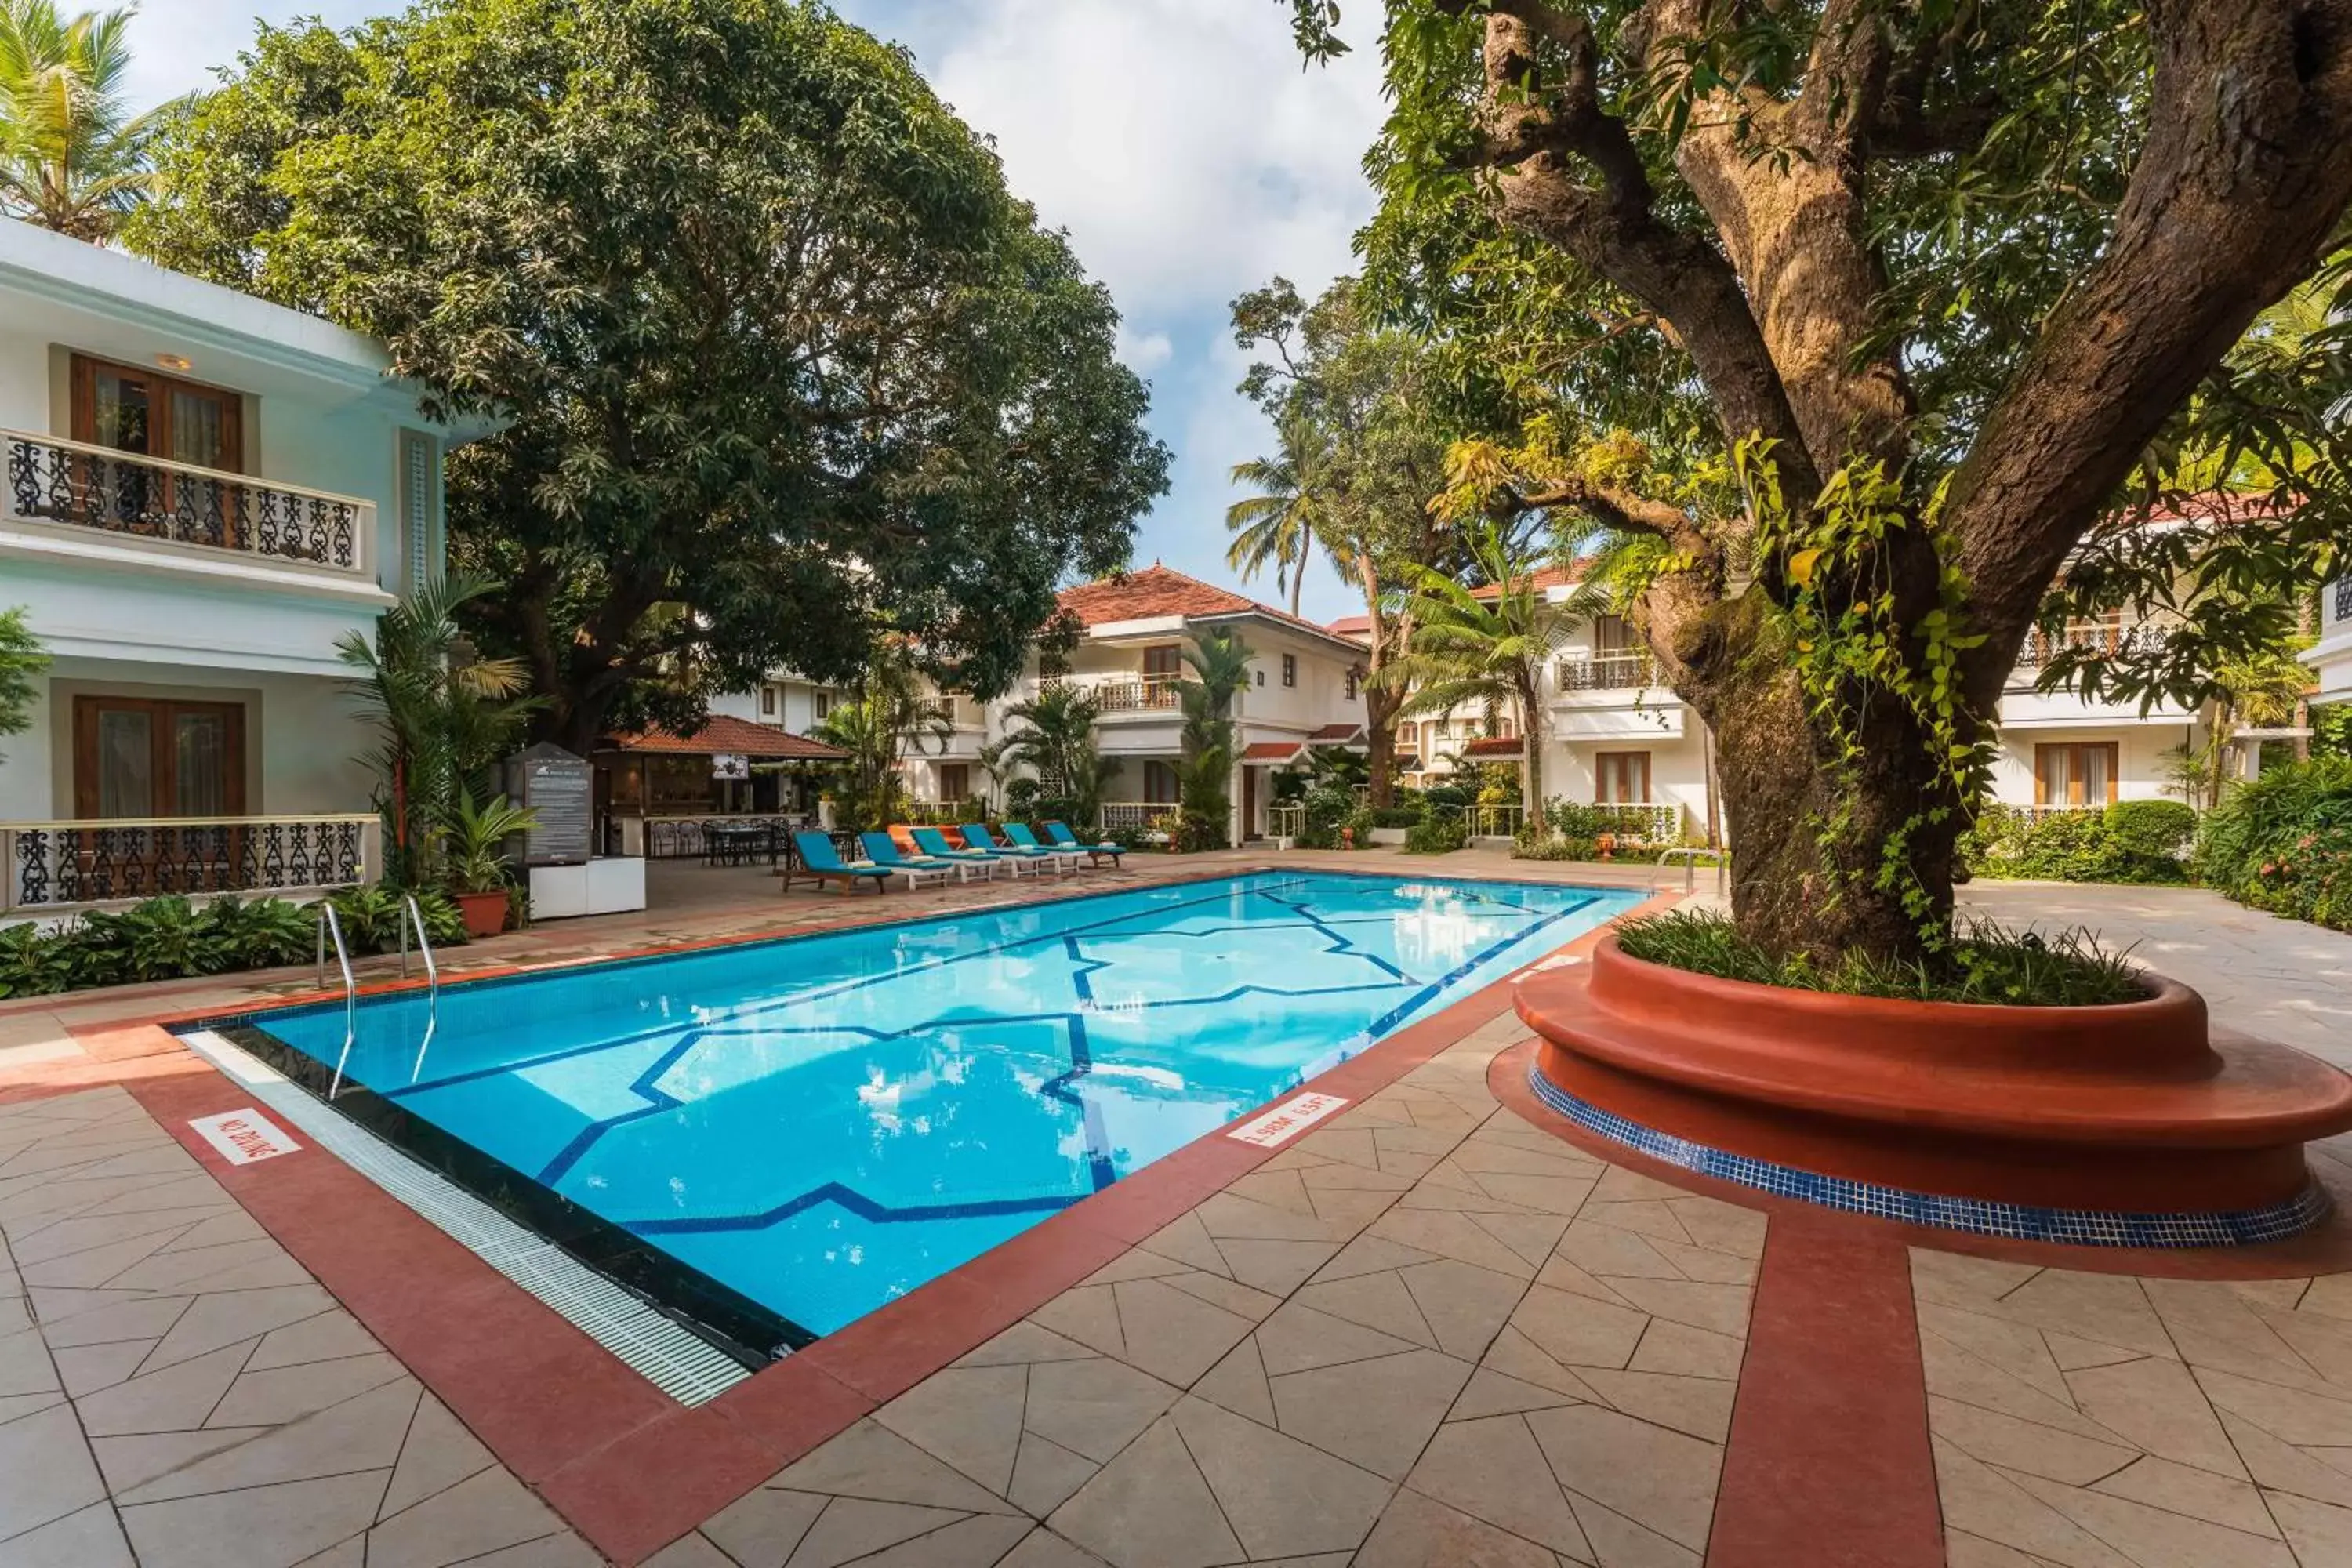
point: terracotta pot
(485, 914)
(2138, 1107)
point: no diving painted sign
(1286, 1120)
(244, 1136)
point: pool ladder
(1690, 870)
(412, 919)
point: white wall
(2139, 757)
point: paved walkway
(1434, 1331)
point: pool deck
(1439, 1327)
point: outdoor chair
(817, 858)
(1023, 839)
(934, 844)
(1059, 832)
(883, 850)
(979, 838)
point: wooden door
(1249, 803)
(136, 760)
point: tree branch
(2246, 170)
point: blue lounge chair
(883, 851)
(979, 838)
(935, 843)
(1059, 832)
(819, 859)
(1023, 839)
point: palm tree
(1057, 746)
(71, 159)
(1487, 648)
(1220, 662)
(1279, 522)
(890, 717)
(444, 716)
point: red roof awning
(1492, 748)
(723, 736)
(1337, 735)
(1270, 751)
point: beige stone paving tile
(1417, 1531)
(2324, 1343)
(2200, 1494)
(86, 1369)
(1663, 1480)
(2330, 1295)
(870, 1462)
(2026, 1446)
(1239, 1383)
(2308, 1420)
(2105, 1309)
(1955, 1373)
(1369, 1255)
(1577, 1332)
(968, 1417)
(2213, 1325)
(1026, 1342)
(1620, 1543)
(176, 1399)
(1275, 1189)
(87, 1233)
(1045, 1475)
(1493, 1392)
(1227, 1216)
(228, 1318)
(1464, 1305)
(2157, 1537)
(2278, 1466)
(762, 1528)
(2157, 1407)
(562, 1550)
(265, 1527)
(978, 1541)
(1981, 1501)
(1379, 1301)
(1696, 1406)
(364, 1433)
(1297, 1338)
(88, 1538)
(1611, 1251)
(289, 1392)
(490, 1511)
(1232, 1295)
(2018, 1349)
(1442, 1234)
(1559, 1274)
(851, 1529)
(1648, 1216)
(1277, 1267)
(147, 1319)
(1167, 1333)
(326, 1336)
(2320, 1533)
(1323, 1178)
(1281, 1497)
(1150, 1507)
(1718, 1308)
(1678, 1348)
(25, 1365)
(1377, 1413)
(1492, 1469)
(46, 1471)
(1958, 1279)
(1517, 1356)
(132, 1461)
(1963, 1549)
(1041, 1547)
(2072, 1354)
(1721, 1226)
(243, 1268)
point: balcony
(57, 864)
(1129, 694)
(74, 485)
(2102, 639)
(1606, 672)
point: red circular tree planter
(2135, 1108)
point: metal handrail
(432, 981)
(329, 924)
(186, 470)
(1690, 869)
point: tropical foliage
(444, 718)
(2142, 841)
(2283, 842)
(1485, 647)
(1220, 663)
(175, 938)
(1061, 768)
(72, 157)
(1897, 328)
(779, 358)
(888, 720)
(21, 662)
(1276, 523)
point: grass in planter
(1991, 964)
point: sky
(1179, 142)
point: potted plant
(474, 838)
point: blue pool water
(826, 1122)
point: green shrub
(2151, 828)
(1437, 836)
(2111, 845)
(2283, 842)
(1399, 815)
(1989, 964)
(34, 962)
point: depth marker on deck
(1286, 1120)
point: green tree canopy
(779, 359)
(1925, 293)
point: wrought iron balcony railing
(54, 864)
(1125, 694)
(1607, 673)
(2104, 640)
(2343, 597)
(53, 480)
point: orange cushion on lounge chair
(954, 835)
(904, 837)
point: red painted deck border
(626, 1466)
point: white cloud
(1143, 352)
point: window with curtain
(2075, 773)
(1621, 778)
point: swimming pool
(810, 1127)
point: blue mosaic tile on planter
(1980, 1216)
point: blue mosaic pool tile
(2015, 1222)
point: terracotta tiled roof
(1336, 735)
(1546, 577)
(739, 737)
(1270, 751)
(1159, 591)
(2208, 507)
(1357, 627)
(1492, 746)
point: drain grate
(679, 1363)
